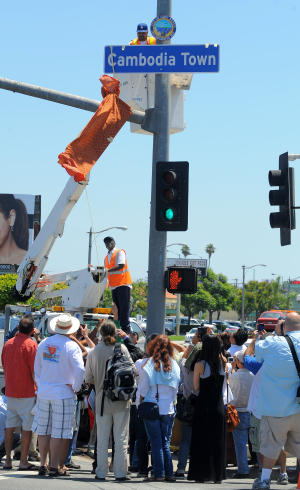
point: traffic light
(284, 198)
(172, 189)
(181, 280)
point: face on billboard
(16, 226)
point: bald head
(292, 322)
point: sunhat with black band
(64, 324)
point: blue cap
(142, 28)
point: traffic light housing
(181, 280)
(172, 188)
(284, 198)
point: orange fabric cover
(80, 155)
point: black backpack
(120, 379)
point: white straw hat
(64, 324)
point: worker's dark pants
(121, 298)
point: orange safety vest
(135, 42)
(122, 276)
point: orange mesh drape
(80, 155)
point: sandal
(55, 472)
(7, 468)
(43, 471)
(30, 467)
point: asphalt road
(83, 479)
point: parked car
(251, 324)
(270, 318)
(249, 329)
(221, 325)
(232, 329)
(185, 324)
(189, 335)
(235, 323)
(143, 325)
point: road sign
(162, 58)
(199, 264)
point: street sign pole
(158, 239)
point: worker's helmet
(142, 28)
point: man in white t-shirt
(59, 374)
(237, 340)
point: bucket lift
(138, 89)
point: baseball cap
(108, 239)
(142, 28)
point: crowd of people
(214, 386)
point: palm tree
(185, 250)
(210, 249)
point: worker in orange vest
(119, 281)
(142, 36)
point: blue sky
(237, 123)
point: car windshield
(193, 330)
(270, 314)
(137, 329)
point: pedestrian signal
(181, 280)
(172, 181)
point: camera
(260, 327)
(230, 359)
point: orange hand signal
(175, 280)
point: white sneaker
(283, 479)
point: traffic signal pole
(158, 239)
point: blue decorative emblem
(163, 28)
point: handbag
(232, 417)
(185, 408)
(149, 410)
(296, 361)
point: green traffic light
(169, 214)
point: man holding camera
(278, 397)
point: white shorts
(55, 418)
(19, 412)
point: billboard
(20, 219)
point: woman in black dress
(207, 457)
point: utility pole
(90, 247)
(243, 296)
(158, 239)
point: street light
(244, 267)
(171, 244)
(178, 302)
(96, 233)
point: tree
(138, 298)
(8, 295)
(7, 284)
(222, 292)
(210, 249)
(199, 301)
(185, 250)
(107, 298)
(262, 296)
